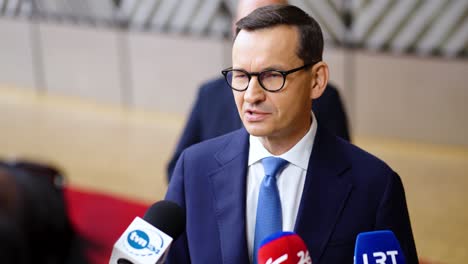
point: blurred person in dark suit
(34, 224)
(214, 112)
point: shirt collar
(298, 155)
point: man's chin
(256, 130)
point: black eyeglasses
(270, 80)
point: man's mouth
(255, 115)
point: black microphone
(147, 240)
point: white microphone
(147, 240)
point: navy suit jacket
(215, 113)
(346, 191)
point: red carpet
(100, 219)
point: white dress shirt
(290, 180)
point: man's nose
(254, 92)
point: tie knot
(272, 165)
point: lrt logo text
(381, 257)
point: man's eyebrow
(275, 67)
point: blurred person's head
(245, 7)
(34, 225)
(286, 44)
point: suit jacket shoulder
(220, 148)
(209, 183)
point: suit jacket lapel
(229, 188)
(325, 194)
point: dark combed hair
(310, 46)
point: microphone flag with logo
(283, 248)
(378, 247)
(147, 240)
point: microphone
(380, 247)
(285, 248)
(147, 240)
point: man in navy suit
(214, 112)
(312, 182)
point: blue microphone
(378, 247)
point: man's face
(284, 114)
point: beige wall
(81, 62)
(410, 98)
(16, 64)
(165, 70)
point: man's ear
(319, 79)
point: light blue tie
(269, 218)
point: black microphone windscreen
(166, 216)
